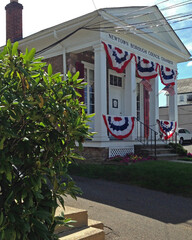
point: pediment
(146, 21)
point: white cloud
(189, 46)
(189, 64)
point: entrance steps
(163, 152)
(83, 228)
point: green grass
(189, 159)
(169, 177)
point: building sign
(140, 49)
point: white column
(130, 100)
(173, 111)
(154, 104)
(64, 64)
(100, 79)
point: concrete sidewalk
(133, 213)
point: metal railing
(147, 136)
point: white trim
(83, 47)
(88, 65)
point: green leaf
(9, 46)
(50, 70)
(61, 200)
(14, 49)
(2, 143)
(1, 218)
(69, 74)
(67, 97)
(91, 115)
(78, 94)
(60, 94)
(75, 76)
(2, 235)
(31, 55)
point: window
(181, 131)
(187, 131)
(115, 80)
(89, 89)
(181, 98)
(189, 97)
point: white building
(184, 91)
(140, 36)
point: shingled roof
(184, 85)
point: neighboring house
(184, 115)
(114, 49)
(184, 101)
(184, 92)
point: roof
(184, 85)
(125, 21)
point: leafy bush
(178, 148)
(41, 120)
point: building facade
(114, 53)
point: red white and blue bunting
(167, 75)
(120, 127)
(167, 128)
(118, 59)
(146, 69)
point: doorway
(116, 91)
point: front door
(115, 93)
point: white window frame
(89, 66)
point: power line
(133, 27)
(130, 16)
(94, 4)
(64, 38)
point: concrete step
(158, 151)
(95, 224)
(170, 156)
(83, 228)
(89, 233)
(80, 217)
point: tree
(41, 122)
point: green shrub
(41, 120)
(178, 148)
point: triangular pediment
(146, 21)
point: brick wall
(56, 62)
(93, 154)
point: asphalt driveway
(188, 147)
(134, 213)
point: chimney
(14, 30)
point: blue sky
(41, 14)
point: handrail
(150, 139)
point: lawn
(165, 176)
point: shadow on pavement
(163, 207)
